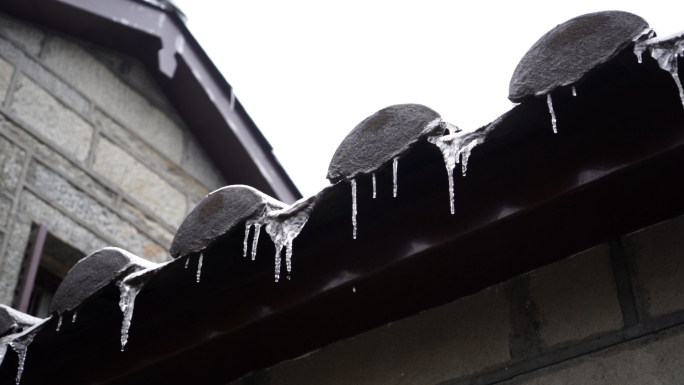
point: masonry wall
(613, 314)
(91, 147)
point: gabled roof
(154, 32)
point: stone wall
(91, 147)
(613, 314)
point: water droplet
(574, 91)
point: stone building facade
(90, 147)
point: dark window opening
(47, 261)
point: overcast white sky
(308, 72)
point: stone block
(141, 183)
(93, 78)
(45, 78)
(57, 123)
(577, 297)
(149, 156)
(79, 204)
(133, 214)
(13, 258)
(25, 35)
(655, 359)
(197, 163)
(6, 71)
(5, 207)
(658, 268)
(451, 341)
(59, 225)
(11, 163)
(55, 160)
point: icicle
(186, 262)
(553, 114)
(126, 303)
(248, 225)
(456, 148)
(199, 267)
(395, 166)
(666, 51)
(129, 288)
(255, 241)
(353, 187)
(374, 195)
(279, 249)
(574, 91)
(284, 226)
(59, 322)
(20, 345)
(353, 289)
(640, 44)
(3, 350)
(73, 319)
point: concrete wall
(613, 314)
(91, 147)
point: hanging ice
(666, 51)
(353, 187)
(640, 42)
(130, 287)
(574, 91)
(73, 319)
(19, 343)
(59, 322)
(395, 166)
(553, 114)
(186, 262)
(255, 241)
(284, 225)
(374, 186)
(199, 267)
(456, 148)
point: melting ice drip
(353, 186)
(666, 51)
(456, 148)
(283, 225)
(59, 322)
(19, 343)
(395, 166)
(186, 262)
(374, 194)
(130, 287)
(553, 114)
(574, 91)
(73, 319)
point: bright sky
(308, 72)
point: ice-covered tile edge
(665, 51)
(20, 320)
(134, 262)
(19, 343)
(435, 127)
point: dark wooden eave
(530, 198)
(159, 38)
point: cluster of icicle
(666, 51)
(20, 343)
(451, 148)
(283, 225)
